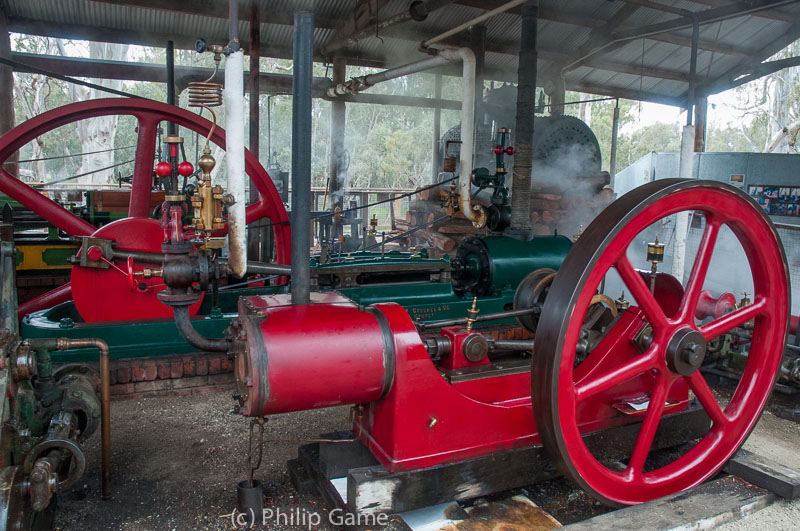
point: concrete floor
(177, 459)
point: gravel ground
(176, 461)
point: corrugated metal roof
(655, 68)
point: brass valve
(472, 314)
(655, 255)
(745, 300)
(337, 215)
(373, 225)
(621, 303)
(452, 201)
(207, 203)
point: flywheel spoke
(143, 167)
(639, 290)
(732, 320)
(707, 399)
(700, 268)
(616, 376)
(655, 410)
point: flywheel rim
(555, 396)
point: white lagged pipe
(234, 156)
(475, 213)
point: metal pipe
(233, 22)
(192, 336)
(614, 141)
(510, 344)
(692, 69)
(171, 128)
(234, 158)
(301, 157)
(360, 83)
(477, 20)
(105, 395)
(437, 126)
(416, 11)
(479, 318)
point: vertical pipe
(171, 128)
(234, 152)
(437, 129)
(700, 115)
(526, 101)
(692, 69)
(558, 95)
(477, 43)
(336, 167)
(7, 89)
(682, 218)
(614, 137)
(301, 156)
(254, 243)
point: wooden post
(7, 89)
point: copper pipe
(105, 402)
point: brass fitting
(472, 314)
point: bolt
(38, 506)
(690, 354)
(432, 422)
(37, 475)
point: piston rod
(479, 318)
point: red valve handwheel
(560, 391)
(148, 114)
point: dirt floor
(176, 461)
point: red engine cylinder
(323, 354)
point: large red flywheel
(148, 114)
(674, 353)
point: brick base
(197, 373)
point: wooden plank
(702, 507)
(766, 473)
(372, 490)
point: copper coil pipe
(105, 402)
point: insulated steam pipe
(475, 213)
(234, 153)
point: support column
(686, 171)
(526, 101)
(337, 170)
(437, 129)
(301, 156)
(614, 137)
(253, 233)
(700, 115)
(7, 89)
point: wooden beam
(708, 16)
(554, 15)
(771, 14)
(626, 93)
(128, 71)
(753, 69)
(217, 9)
(186, 42)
